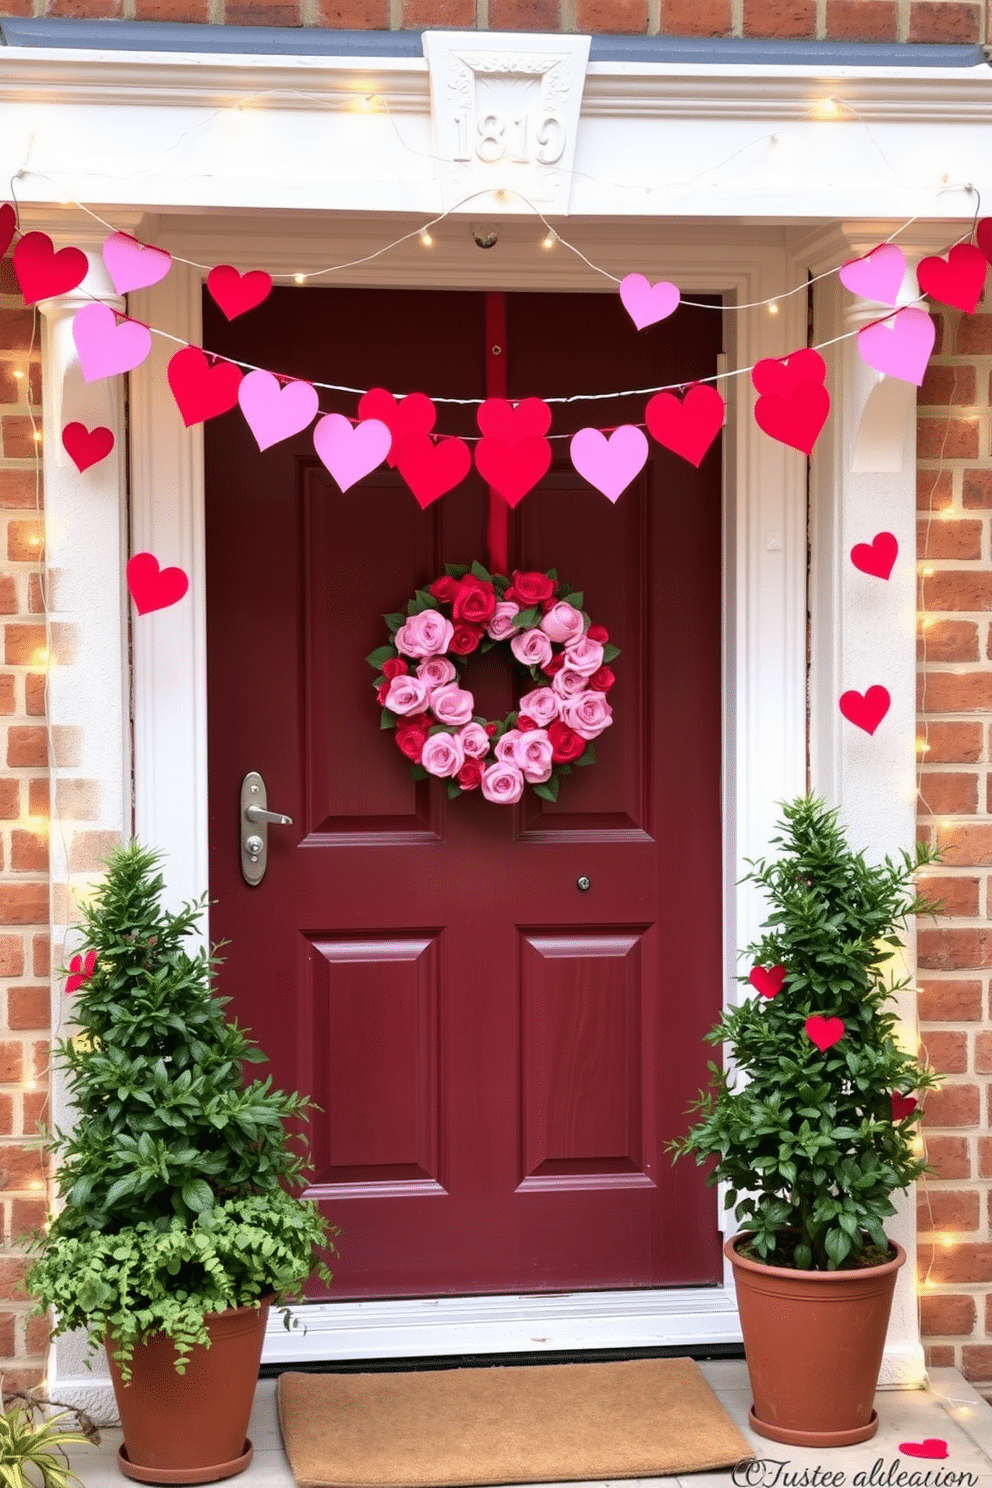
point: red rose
(490, 729)
(554, 665)
(445, 588)
(598, 633)
(566, 744)
(602, 680)
(382, 692)
(475, 601)
(410, 741)
(469, 777)
(525, 724)
(530, 588)
(394, 667)
(465, 639)
(548, 604)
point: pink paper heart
(107, 345)
(795, 420)
(236, 293)
(8, 226)
(957, 280)
(348, 451)
(902, 1105)
(899, 347)
(154, 588)
(687, 427)
(202, 390)
(824, 1032)
(81, 968)
(877, 276)
(414, 414)
(43, 272)
(647, 303)
(866, 711)
(878, 556)
(768, 983)
(782, 375)
(983, 237)
(513, 469)
(512, 422)
(609, 464)
(273, 411)
(933, 1446)
(86, 447)
(134, 265)
(430, 469)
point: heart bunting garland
(877, 557)
(152, 587)
(793, 404)
(414, 414)
(902, 1105)
(107, 343)
(202, 390)
(609, 464)
(648, 303)
(8, 226)
(877, 276)
(274, 412)
(134, 265)
(686, 426)
(767, 982)
(499, 419)
(824, 1032)
(350, 451)
(899, 346)
(867, 710)
(235, 294)
(983, 237)
(86, 447)
(957, 280)
(430, 469)
(42, 272)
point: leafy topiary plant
(813, 1126)
(175, 1179)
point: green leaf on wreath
(388, 720)
(486, 645)
(429, 602)
(610, 652)
(563, 769)
(456, 570)
(438, 728)
(480, 572)
(394, 621)
(576, 600)
(552, 573)
(547, 789)
(586, 619)
(511, 719)
(453, 789)
(526, 618)
(588, 755)
(416, 606)
(379, 655)
(418, 772)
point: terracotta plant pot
(813, 1342)
(192, 1427)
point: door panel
(500, 1056)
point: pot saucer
(814, 1438)
(184, 1474)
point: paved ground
(949, 1411)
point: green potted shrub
(812, 1125)
(177, 1226)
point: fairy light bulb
(550, 239)
(773, 308)
(299, 278)
(426, 239)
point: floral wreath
(548, 632)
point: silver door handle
(253, 827)
(256, 814)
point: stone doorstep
(949, 1409)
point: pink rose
(502, 783)
(588, 714)
(568, 682)
(443, 754)
(584, 656)
(501, 625)
(506, 746)
(533, 752)
(425, 634)
(542, 705)
(436, 671)
(452, 704)
(563, 622)
(406, 695)
(475, 741)
(532, 647)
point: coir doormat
(547, 1423)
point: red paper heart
(235, 293)
(154, 588)
(933, 1446)
(499, 419)
(431, 469)
(957, 280)
(876, 557)
(41, 272)
(797, 419)
(8, 226)
(202, 391)
(784, 374)
(86, 447)
(983, 237)
(513, 469)
(902, 1105)
(81, 968)
(824, 1032)
(768, 983)
(868, 711)
(414, 414)
(687, 427)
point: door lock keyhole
(582, 883)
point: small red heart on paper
(235, 293)
(824, 1032)
(983, 237)
(81, 968)
(782, 375)
(876, 557)
(500, 419)
(414, 414)
(154, 588)
(688, 426)
(866, 711)
(957, 280)
(768, 983)
(513, 469)
(933, 1446)
(431, 469)
(202, 391)
(902, 1105)
(8, 226)
(86, 447)
(795, 420)
(43, 272)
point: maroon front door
(500, 1053)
